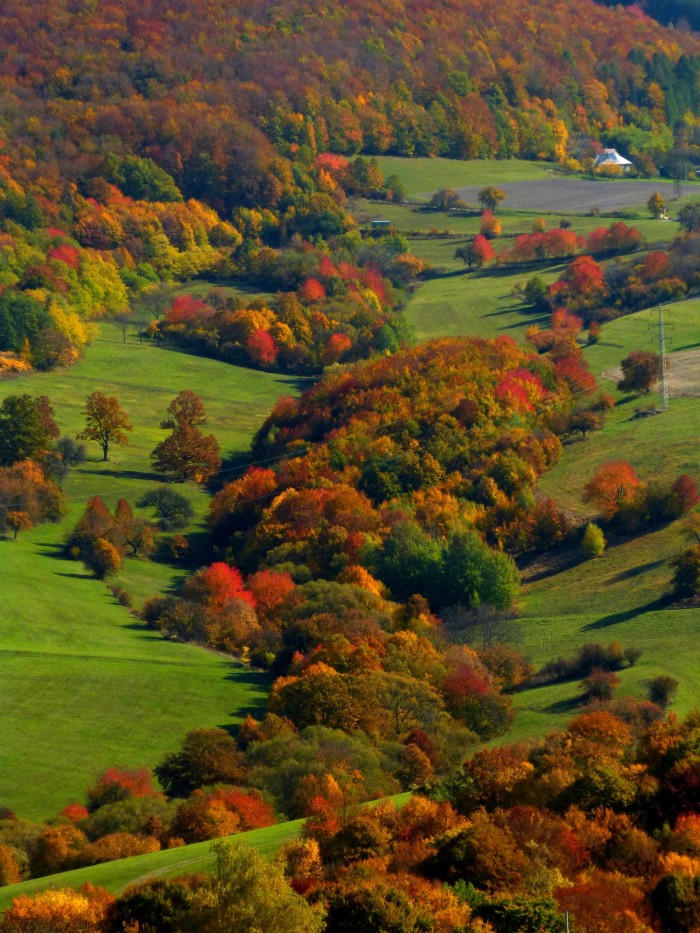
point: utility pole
(567, 921)
(664, 359)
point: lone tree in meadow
(476, 252)
(187, 453)
(490, 197)
(640, 371)
(611, 483)
(172, 508)
(656, 205)
(105, 422)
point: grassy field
(422, 176)
(88, 686)
(115, 876)
(457, 301)
(201, 288)
(417, 221)
(533, 185)
(470, 303)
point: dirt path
(683, 374)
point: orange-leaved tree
(105, 422)
(611, 484)
(187, 452)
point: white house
(612, 157)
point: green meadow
(423, 176)
(621, 596)
(87, 684)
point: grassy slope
(115, 876)
(617, 597)
(479, 302)
(614, 598)
(88, 686)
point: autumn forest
(349, 504)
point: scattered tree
(640, 371)
(490, 197)
(662, 689)
(208, 756)
(612, 483)
(656, 205)
(18, 521)
(686, 577)
(106, 422)
(476, 252)
(446, 200)
(599, 685)
(27, 428)
(172, 508)
(102, 558)
(187, 452)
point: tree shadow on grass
(570, 705)
(142, 629)
(630, 614)
(255, 707)
(129, 474)
(51, 548)
(687, 346)
(636, 571)
(527, 319)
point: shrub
(599, 685)
(103, 559)
(662, 689)
(593, 543)
(686, 578)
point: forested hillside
(362, 589)
(190, 84)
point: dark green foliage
(21, 318)
(136, 815)
(588, 658)
(676, 902)
(22, 208)
(686, 577)
(689, 216)
(535, 292)
(173, 510)
(141, 179)
(462, 571)
(157, 906)
(278, 765)
(662, 689)
(27, 428)
(522, 915)
(375, 909)
(208, 756)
